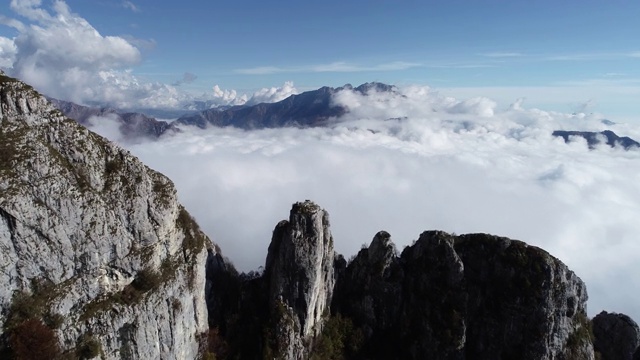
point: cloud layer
(415, 160)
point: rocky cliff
(464, 297)
(473, 296)
(97, 257)
(299, 276)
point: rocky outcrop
(464, 297)
(617, 336)
(93, 244)
(299, 276)
(472, 296)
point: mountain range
(314, 108)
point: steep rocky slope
(93, 244)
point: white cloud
(416, 160)
(8, 52)
(274, 94)
(227, 97)
(63, 56)
(224, 97)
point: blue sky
(558, 55)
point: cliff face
(299, 276)
(93, 243)
(465, 297)
(617, 336)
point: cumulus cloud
(415, 160)
(63, 56)
(224, 97)
(8, 52)
(273, 94)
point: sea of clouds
(414, 160)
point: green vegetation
(146, 280)
(582, 335)
(88, 347)
(340, 339)
(32, 339)
(193, 243)
(211, 346)
(29, 323)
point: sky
(570, 56)
(481, 87)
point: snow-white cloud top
(273, 94)
(60, 52)
(265, 95)
(414, 160)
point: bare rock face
(300, 277)
(617, 336)
(464, 297)
(92, 243)
(522, 302)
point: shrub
(88, 347)
(53, 320)
(23, 307)
(33, 340)
(340, 339)
(146, 279)
(212, 346)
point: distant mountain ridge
(314, 108)
(594, 138)
(308, 109)
(132, 124)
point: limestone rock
(93, 237)
(464, 297)
(617, 336)
(300, 276)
